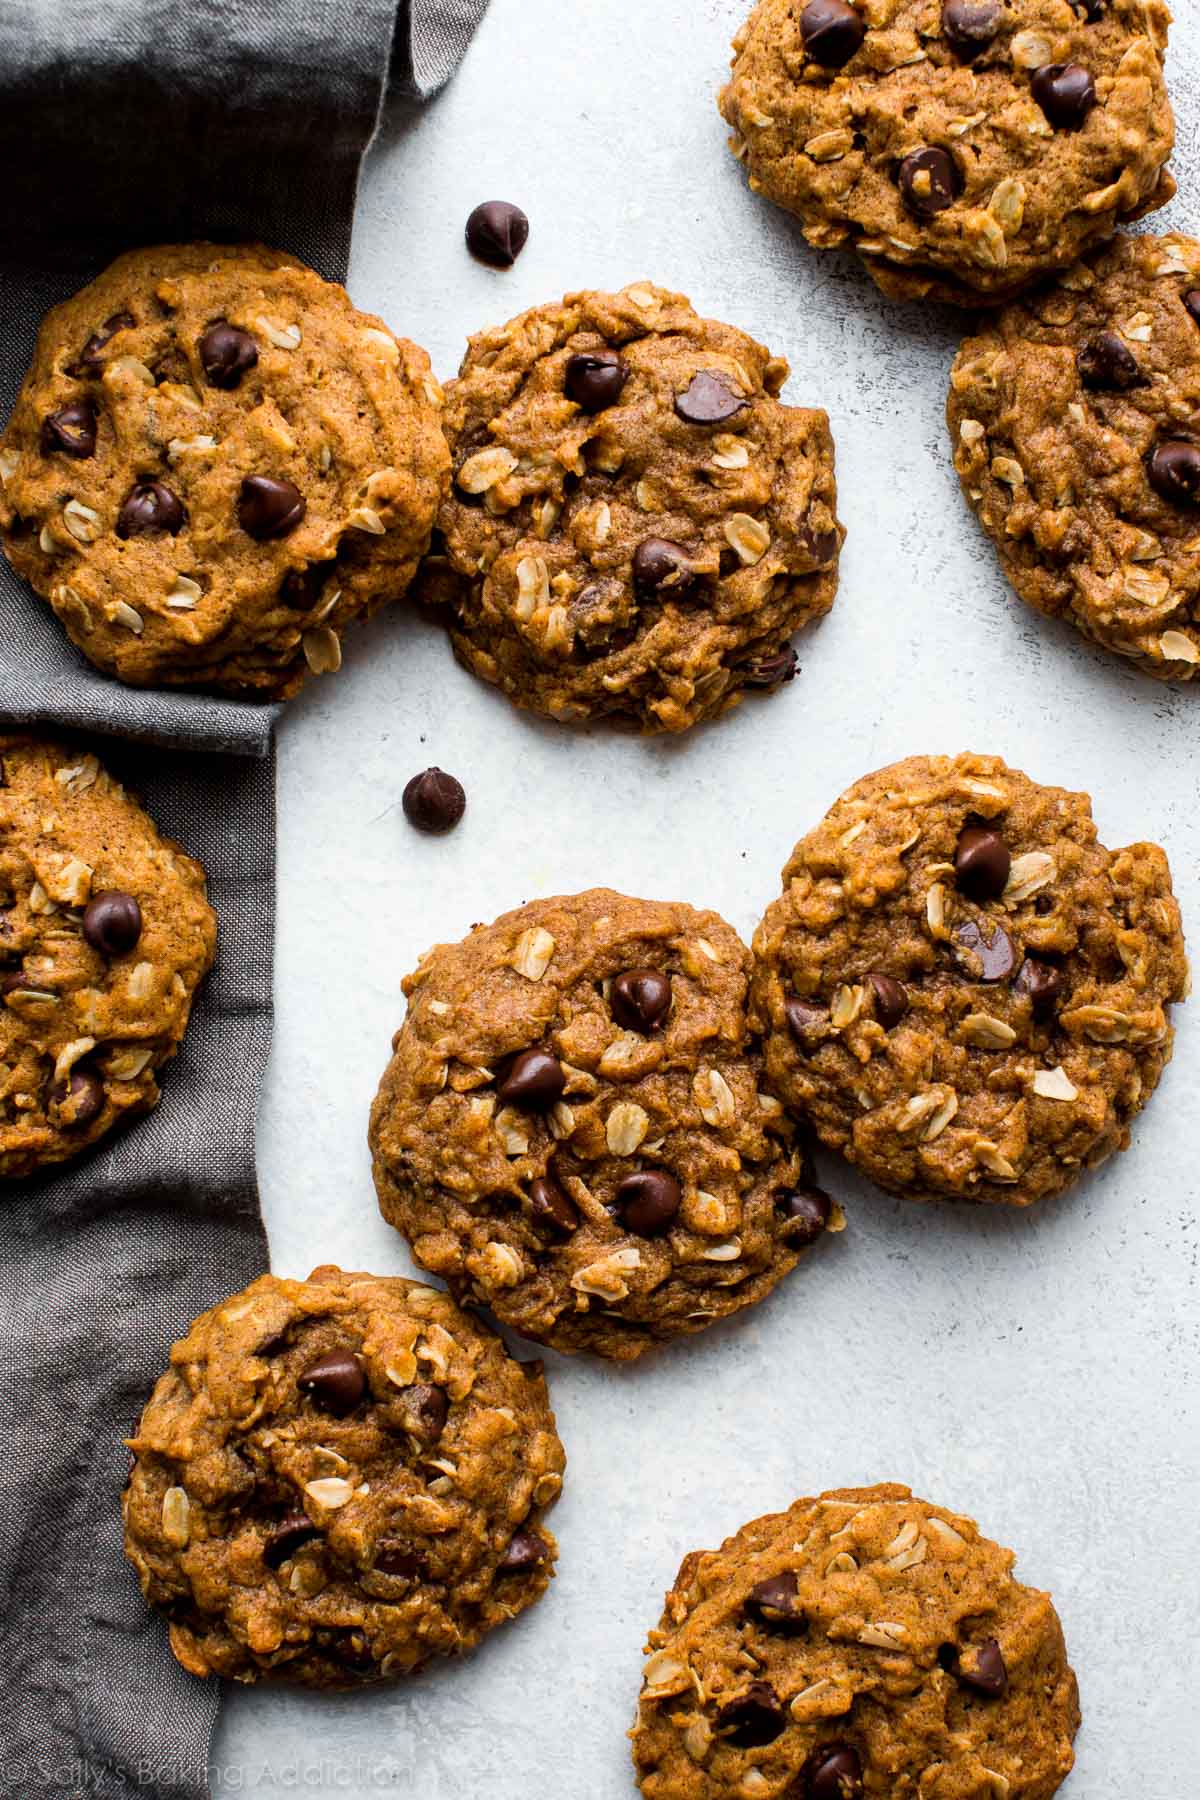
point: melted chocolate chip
(1066, 94)
(771, 671)
(822, 546)
(983, 1669)
(269, 508)
(533, 1080)
(434, 802)
(1192, 301)
(648, 1200)
(995, 953)
(425, 1410)
(929, 182)
(148, 507)
(112, 923)
(805, 1212)
(661, 567)
(640, 999)
(90, 359)
(82, 1093)
(709, 400)
(551, 1206)
(832, 31)
(891, 999)
(526, 1551)
(497, 233)
(226, 354)
(1174, 472)
(774, 1604)
(981, 863)
(336, 1382)
(292, 1532)
(754, 1718)
(20, 983)
(301, 588)
(970, 26)
(833, 1772)
(395, 1558)
(595, 379)
(808, 1024)
(1042, 983)
(71, 431)
(1105, 363)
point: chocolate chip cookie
(105, 934)
(215, 464)
(961, 988)
(963, 148)
(636, 524)
(338, 1479)
(1073, 416)
(573, 1128)
(865, 1645)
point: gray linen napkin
(135, 122)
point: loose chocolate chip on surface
(551, 1206)
(1174, 472)
(1104, 362)
(754, 1718)
(533, 1080)
(526, 1551)
(640, 999)
(434, 802)
(660, 566)
(595, 379)
(336, 1382)
(832, 31)
(426, 1410)
(970, 26)
(84, 1091)
(112, 923)
(648, 1201)
(996, 953)
(1066, 94)
(807, 1024)
(226, 354)
(773, 1602)
(833, 1772)
(983, 1669)
(708, 399)
(891, 999)
(929, 182)
(89, 356)
(1043, 984)
(292, 1532)
(71, 431)
(269, 508)
(497, 232)
(805, 1212)
(981, 863)
(771, 671)
(150, 506)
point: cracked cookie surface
(962, 990)
(1073, 418)
(864, 1645)
(338, 1479)
(963, 148)
(216, 464)
(105, 934)
(573, 1128)
(636, 524)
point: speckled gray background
(1038, 1372)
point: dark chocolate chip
(226, 354)
(708, 399)
(551, 1206)
(833, 1772)
(150, 506)
(983, 1669)
(112, 923)
(533, 1080)
(425, 1409)
(1105, 363)
(929, 182)
(807, 1024)
(293, 1530)
(1066, 94)
(773, 1603)
(1174, 472)
(891, 1000)
(269, 508)
(301, 588)
(771, 671)
(981, 863)
(71, 431)
(754, 1718)
(434, 801)
(822, 546)
(640, 999)
(996, 954)
(20, 983)
(497, 233)
(832, 31)
(595, 378)
(1192, 301)
(83, 1091)
(526, 1551)
(970, 26)
(662, 567)
(89, 357)
(336, 1382)
(805, 1212)
(394, 1558)
(648, 1200)
(1042, 983)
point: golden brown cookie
(338, 1479)
(865, 1645)
(573, 1128)
(963, 148)
(105, 934)
(961, 988)
(1074, 422)
(215, 464)
(636, 524)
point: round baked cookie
(1074, 421)
(105, 934)
(338, 1479)
(962, 990)
(963, 148)
(865, 1645)
(636, 523)
(573, 1129)
(215, 464)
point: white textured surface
(1038, 1372)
